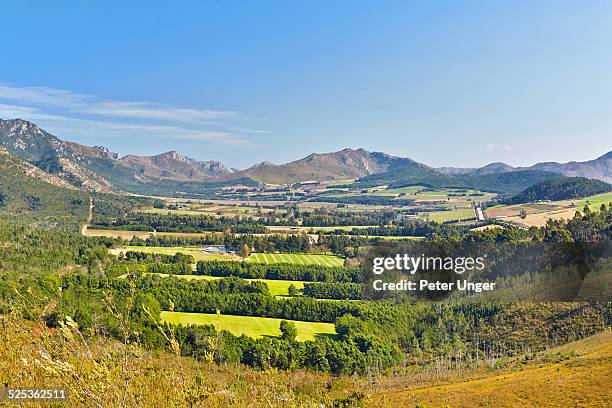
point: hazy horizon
(446, 84)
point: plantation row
(311, 273)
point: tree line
(283, 271)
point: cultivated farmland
(453, 215)
(277, 287)
(197, 253)
(265, 258)
(249, 325)
(595, 201)
(299, 259)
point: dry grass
(540, 219)
(574, 375)
(104, 373)
(107, 373)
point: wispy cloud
(78, 114)
(69, 126)
(494, 147)
(89, 104)
(144, 110)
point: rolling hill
(26, 189)
(98, 169)
(344, 164)
(502, 183)
(68, 161)
(599, 168)
(173, 166)
(561, 188)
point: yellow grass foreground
(581, 379)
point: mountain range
(98, 169)
(173, 166)
(341, 165)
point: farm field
(390, 237)
(538, 213)
(266, 258)
(486, 227)
(595, 201)
(288, 229)
(515, 210)
(249, 325)
(422, 194)
(442, 216)
(197, 253)
(215, 210)
(276, 287)
(90, 232)
(540, 219)
(299, 259)
(126, 234)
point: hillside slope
(173, 166)
(576, 374)
(26, 189)
(504, 183)
(79, 165)
(344, 164)
(599, 168)
(98, 169)
(561, 188)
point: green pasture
(442, 216)
(276, 287)
(299, 259)
(266, 258)
(594, 201)
(249, 325)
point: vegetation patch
(254, 327)
(277, 287)
(299, 259)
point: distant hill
(25, 188)
(561, 188)
(173, 166)
(496, 167)
(455, 170)
(344, 164)
(599, 168)
(68, 161)
(98, 169)
(502, 183)
(508, 182)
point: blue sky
(445, 83)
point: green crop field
(594, 201)
(249, 325)
(267, 258)
(441, 216)
(276, 287)
(299, 259)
